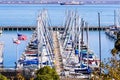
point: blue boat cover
(89, 70)
(29, 62)
(76, 51)
(83, 66)
(33, 61)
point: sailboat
(1, 31)
(72, 3)
(87, 59)
(38, 53)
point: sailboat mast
(115, 24)
(38, 36)
(86, 25)
(79, 39)
(82, 26)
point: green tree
(47, 73)
(116, 48)
(110, 67)
(110, 70)
(2, 77)
(19, 77)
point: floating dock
(57, 55)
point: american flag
(21, 37)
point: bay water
(26, 15)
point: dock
(54, 28)
(21, 28)
(58, 58)
(49, 47)
(91, 28)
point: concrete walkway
(58, 58)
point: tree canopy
(116, 48)
(47, 73)
(2, 77)
(111, 66)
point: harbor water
(26, 15)
(10, 48)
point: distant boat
(72, 3)
(112, 32)
(0, 31)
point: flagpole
(16, 53)
(16, 57)
(99, 41)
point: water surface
(26, 15)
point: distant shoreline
(68, 4)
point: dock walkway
(58, 57)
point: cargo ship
(71, 3)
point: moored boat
(72, 3)
(112, 31)
(38, 52)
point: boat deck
(58, 57)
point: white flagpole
(16, 55)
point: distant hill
(56, 1)
(85, 1)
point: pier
(58, 58)
(21, 28)
(54, 28)
(91, 28)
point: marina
(71, 48)
(77, 59)
(66, 52)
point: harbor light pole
(99, 40)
